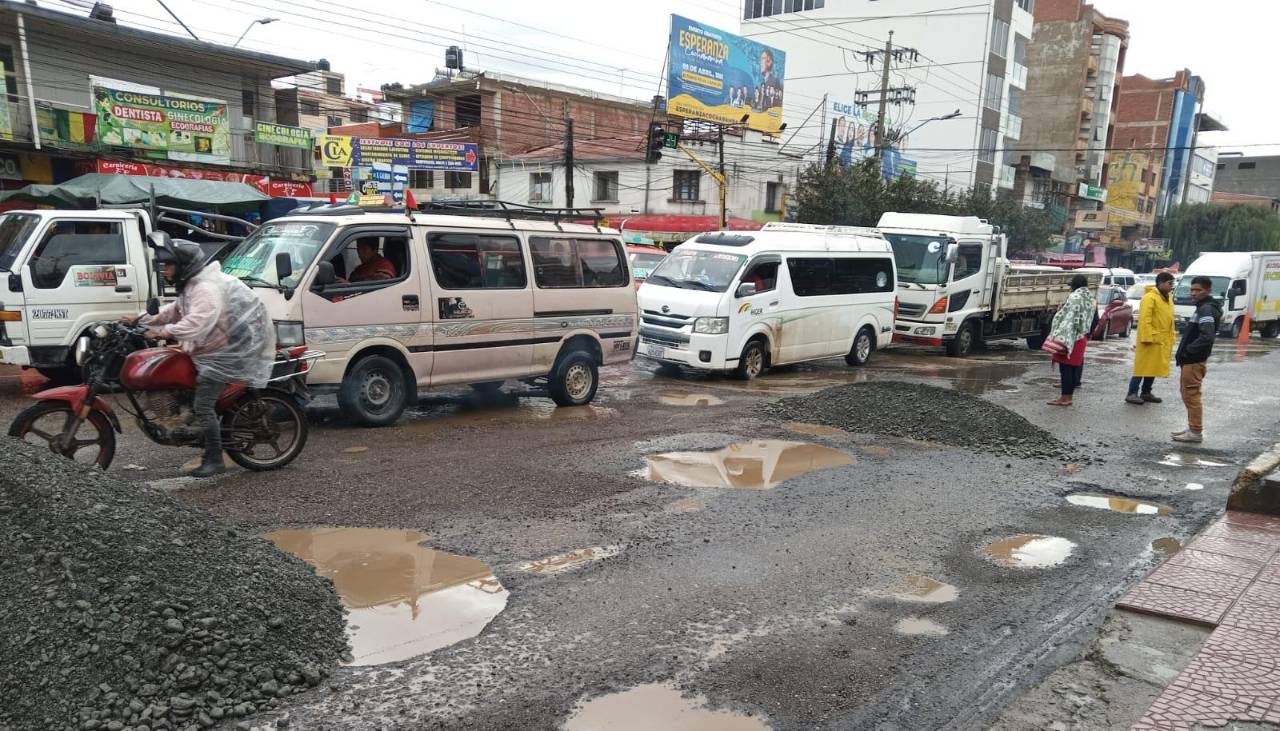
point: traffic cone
(1244, 329)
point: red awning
(682, 224)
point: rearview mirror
(324, 275)
(746, 289)
(284, 266)
(158, 240)
(953, 252)
(153, 306)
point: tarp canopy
(87, 191)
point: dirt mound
(123, 608)
(929, 413)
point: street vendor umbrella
(87, 191)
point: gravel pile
(929, 413)
(121, 608)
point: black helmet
(187, 256)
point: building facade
(972, 58)
(1256, 175)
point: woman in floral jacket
(1069, 334)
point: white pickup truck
(61, 270)
(956, 288)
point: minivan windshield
(919, 258)
(712, 271)
(15, 228)
(253, 260)
(1182, 293)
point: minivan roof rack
(514, 211)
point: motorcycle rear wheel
(264, 431)
(43, 424)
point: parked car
(643, 259)
(1115, 314)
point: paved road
(765, 608)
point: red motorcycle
(262, 429)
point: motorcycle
(262, 429)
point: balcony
(1013, 127)
(1018, 75)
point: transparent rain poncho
(223, 325)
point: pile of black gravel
(122, 608)
(928, 413)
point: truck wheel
(374, 392)
(1272, 329)
(962, 344)
(751, 362)
(574, 380)
(864, 344)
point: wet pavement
(797, 607)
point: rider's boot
(212, 463)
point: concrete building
(1256, 175)
(50, 131)
(1075, 60)
(1228, 200)
(972, 58)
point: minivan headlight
(711, 325)
(289, 334)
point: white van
(743, 302)
(1243, 281)
(399, 303)
(1113, 276)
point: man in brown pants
(1193, 354)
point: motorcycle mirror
(158, 240)
(284, 266)
(324, 275)
(153, 306)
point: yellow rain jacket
(1156, 335)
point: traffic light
(654, 142)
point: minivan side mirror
(153, 306)
(746, 289)
(15, 282)
(953, 252)
(324, 275)
(284, 266)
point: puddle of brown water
(926, 590)
(689, 399)
(1189, 460)
(568, 561)
(686, 505)
(1028, 551)
(655, 707)
(759, 465)
(917, 626)
(402, 600)
(1166, 547)
(816, 430)
(1118, 504)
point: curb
(1256, 489)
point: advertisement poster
(854, 132)
(1124, 183)
(267, 133)
(186, 128)
(271, 186)
(345, 152)
(719, 77)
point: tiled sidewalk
(1229, 578)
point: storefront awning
(678, 228)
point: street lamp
(264, 21)
(944, 117)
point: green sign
(671, 139)
(278, 134)
(183, 127)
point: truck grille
(911, 311)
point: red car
(1115, 314)
(643, 260)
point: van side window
(371, 261)
(763, 274)
(76, 243)
(818, 277)
(560, 263)
(476, 261)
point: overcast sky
(617, 46)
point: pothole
(656, 706)
(689, 399)
(528, 410)
(569, 561)
(759, 465)
(1166, 547)
(1118, 504)
(918, 626)
(1028, 551)
(815, 430)
(1177, 459)
(926, 590)
(402, 600)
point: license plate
(653, 351)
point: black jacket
(1199, 334)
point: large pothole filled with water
(1117, 504)
(402, 600)
(757, 465)
(1028, 551)
(656, 706)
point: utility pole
(724, 219)
(884, 97)
(831, 144)
(897, 95)
(568, 162)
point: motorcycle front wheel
(265, 430)
(94, 442)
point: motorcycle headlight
(289, 334)
(711, 325)
(100, 331)
(82, 350)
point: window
(388, 260)
(987, 145)
(10, 73)
(1019, 50)
(485, 183)
(1151, 205)
(477, 261)
(685, 185)
(309, 106)
(764, 8)
(1015, 101)
(968, 262)
(1222, 166)
(333, 86)
(772, 197)
(819, 277)
(456, 181)
(466, 111)
(1247, 166)
(561, 263)
(1000, 37)
(540, 188)
(70, 244)
(359, 114)
(335, 121)
(1142, 203)
(247, 99)
(422, 178)
(763, 274)
(606, 187)
(1027, 5)
(995, 90)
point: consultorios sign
(163, 123)
(341, 151)
(720, 77)
(278, 134)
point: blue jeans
(1146, 382)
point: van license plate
(653, 351)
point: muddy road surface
(675, 556)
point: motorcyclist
(225, 329)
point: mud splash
(926, 590)
(568, 561)
(1118, 504)
(402, 600)
(689, 399)
(1028, 551)
(759, 465)
(656, 706)
(917, 626)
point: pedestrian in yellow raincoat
(1156, 336)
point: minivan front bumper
(706, 352)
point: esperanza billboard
(719, 77)
(341, 151)
(178, 125)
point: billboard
(186, 128)
(1124, 181)
(341, 151)
(267, 133)
(715, 76)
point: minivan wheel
(574, 380)
(864, 345)
(374, 392)
(752, 361)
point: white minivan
(745, 301)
